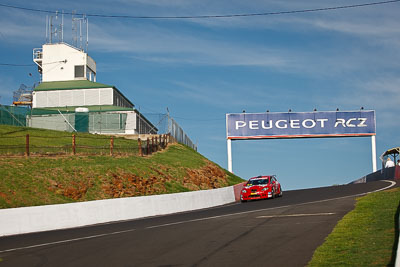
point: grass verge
(366, 236)
(37, 180)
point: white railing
(37, 54)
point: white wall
(59, 61)
(54, 122)
(130, 127)
(51, 217)
(73, 97)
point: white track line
(296, 215)
(194, 220)
(67, 240)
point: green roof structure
(69, 85)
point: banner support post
(373, 145)
(229, 145)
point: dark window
(79, 71)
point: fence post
(157, 144)
(111, 145)
(148, 146)
(73, 144)
(152, 144)
(27, 145)
(140, 147)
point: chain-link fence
(167, 125)
(92, 122)
(180, 136)
(12, 115)
(111, 122)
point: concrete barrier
(61, 216)
(391, 173)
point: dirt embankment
(124, 184)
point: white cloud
(20, 26)
(163, 45)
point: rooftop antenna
(55, 33)
(80, 30)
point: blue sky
(202, 69)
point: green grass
(365, 236)
(38, 180)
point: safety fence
(12, 115)
(75, 144)
(167, 124)
(111, 122)
(179, 134)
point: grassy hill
(41, 180)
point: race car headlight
(244, 191)
(265, 189)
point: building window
(79, 71)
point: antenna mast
(80, 30)
(55, 33)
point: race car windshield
(258, 182)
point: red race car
(261, 187)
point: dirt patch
(208, 177)
(121, 183)
(4, 196)
(75, 189)
(125, 184)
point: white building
(69, 98)
(63, 62)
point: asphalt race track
(277, 232)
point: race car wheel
(273, 193)
(280, 192)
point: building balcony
(38, 56)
